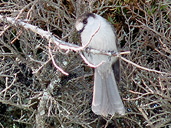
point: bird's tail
(106, 98)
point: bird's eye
(85, 21)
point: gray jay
(97, 33)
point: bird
(97, 33)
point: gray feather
(106, 98)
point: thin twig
(89, 64)
(144, 68)
(54, 63)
